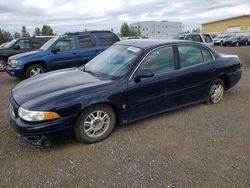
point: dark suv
(20, 45)
(236, 41)
(70, 50)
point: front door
(67, 54)
(148, 96)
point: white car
(200, 37)
(220, 39)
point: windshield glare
(114, 62)
(47, 45)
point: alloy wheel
(36, 72)
(96, 124)
(2, 65)
(216, 93)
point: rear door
(197, 72)
(67, 56)
(88, 48)
(155, 94)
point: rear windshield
(207, 38)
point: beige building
(234, 24)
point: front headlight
(33, 116)
(13, 63)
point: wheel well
(35, 62)
(118, 118)
(226, 80)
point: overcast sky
(75, 15)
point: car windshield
(114, 62)
(10, 44)
(47, 45)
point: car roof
(151, 43)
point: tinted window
(190, 55)
(207, 38)
(196, 38)
(23, 43)
(87, 41)
(36, 44)
(160, 60)
(206, 55)
(66, 44)
(107, 39)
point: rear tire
(246, 43)
(216, 92)
(95, 124)
(236, 44)
(34, 70)
(3, 64)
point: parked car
(236, 41)
(129, 81)
(20, 45)
(70, 50)
(248, 39)
(203, 38)
(219, 39)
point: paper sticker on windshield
(133, 49)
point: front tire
(216, 92)
(95, 124)
(3, 64)
(34, 70)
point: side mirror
(143, 73)
(16, 47)
(55, 50)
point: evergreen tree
(47, 30)
(17, 35)
(37, 31)
(24, 32)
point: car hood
(27, 54)
(48, 87)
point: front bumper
(17, 72)
(47, 133)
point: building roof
(247, 15)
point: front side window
(66, 44)
(87, 41)
(190, 55)
(207, 38)
(196, 38)
(23, 43)
(159, 61)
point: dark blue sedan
(131, 80)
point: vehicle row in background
(20, 45)
(70, 50)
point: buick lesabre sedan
(131, 80)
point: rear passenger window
(160, 61)
(87, 41)
(190, 55)
(207, 56)
(107, 39)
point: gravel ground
(199, 146)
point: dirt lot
(199, 146)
